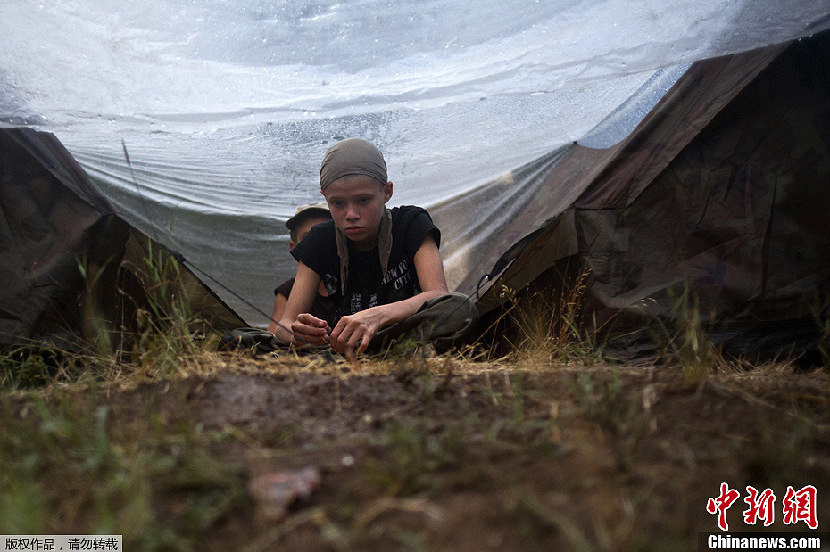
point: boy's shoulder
(322, 229)
(412, 224)
(408, 212)
(408, 208)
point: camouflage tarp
(71, 267)
(721, 190)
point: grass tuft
(688, 345)
(66, 465)
(414, 453)
(549, 326)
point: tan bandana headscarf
(355, 156)
(349, 157)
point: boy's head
(304, 218)
(353, 180)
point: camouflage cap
(308, 210)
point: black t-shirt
(366, 286)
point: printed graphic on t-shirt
(361, 301)
(399, 275)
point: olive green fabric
(449, 321)
(71, 268)
(721, 192)
(255, 340)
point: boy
(305, 217)
(382, 266)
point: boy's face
(303, 227)
(356, 204)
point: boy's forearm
(392, 313)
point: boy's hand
(310, 330)
(353, 333)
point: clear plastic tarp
(204, 121)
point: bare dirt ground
(445, 454)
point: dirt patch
(450, 455)
(445, 454)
